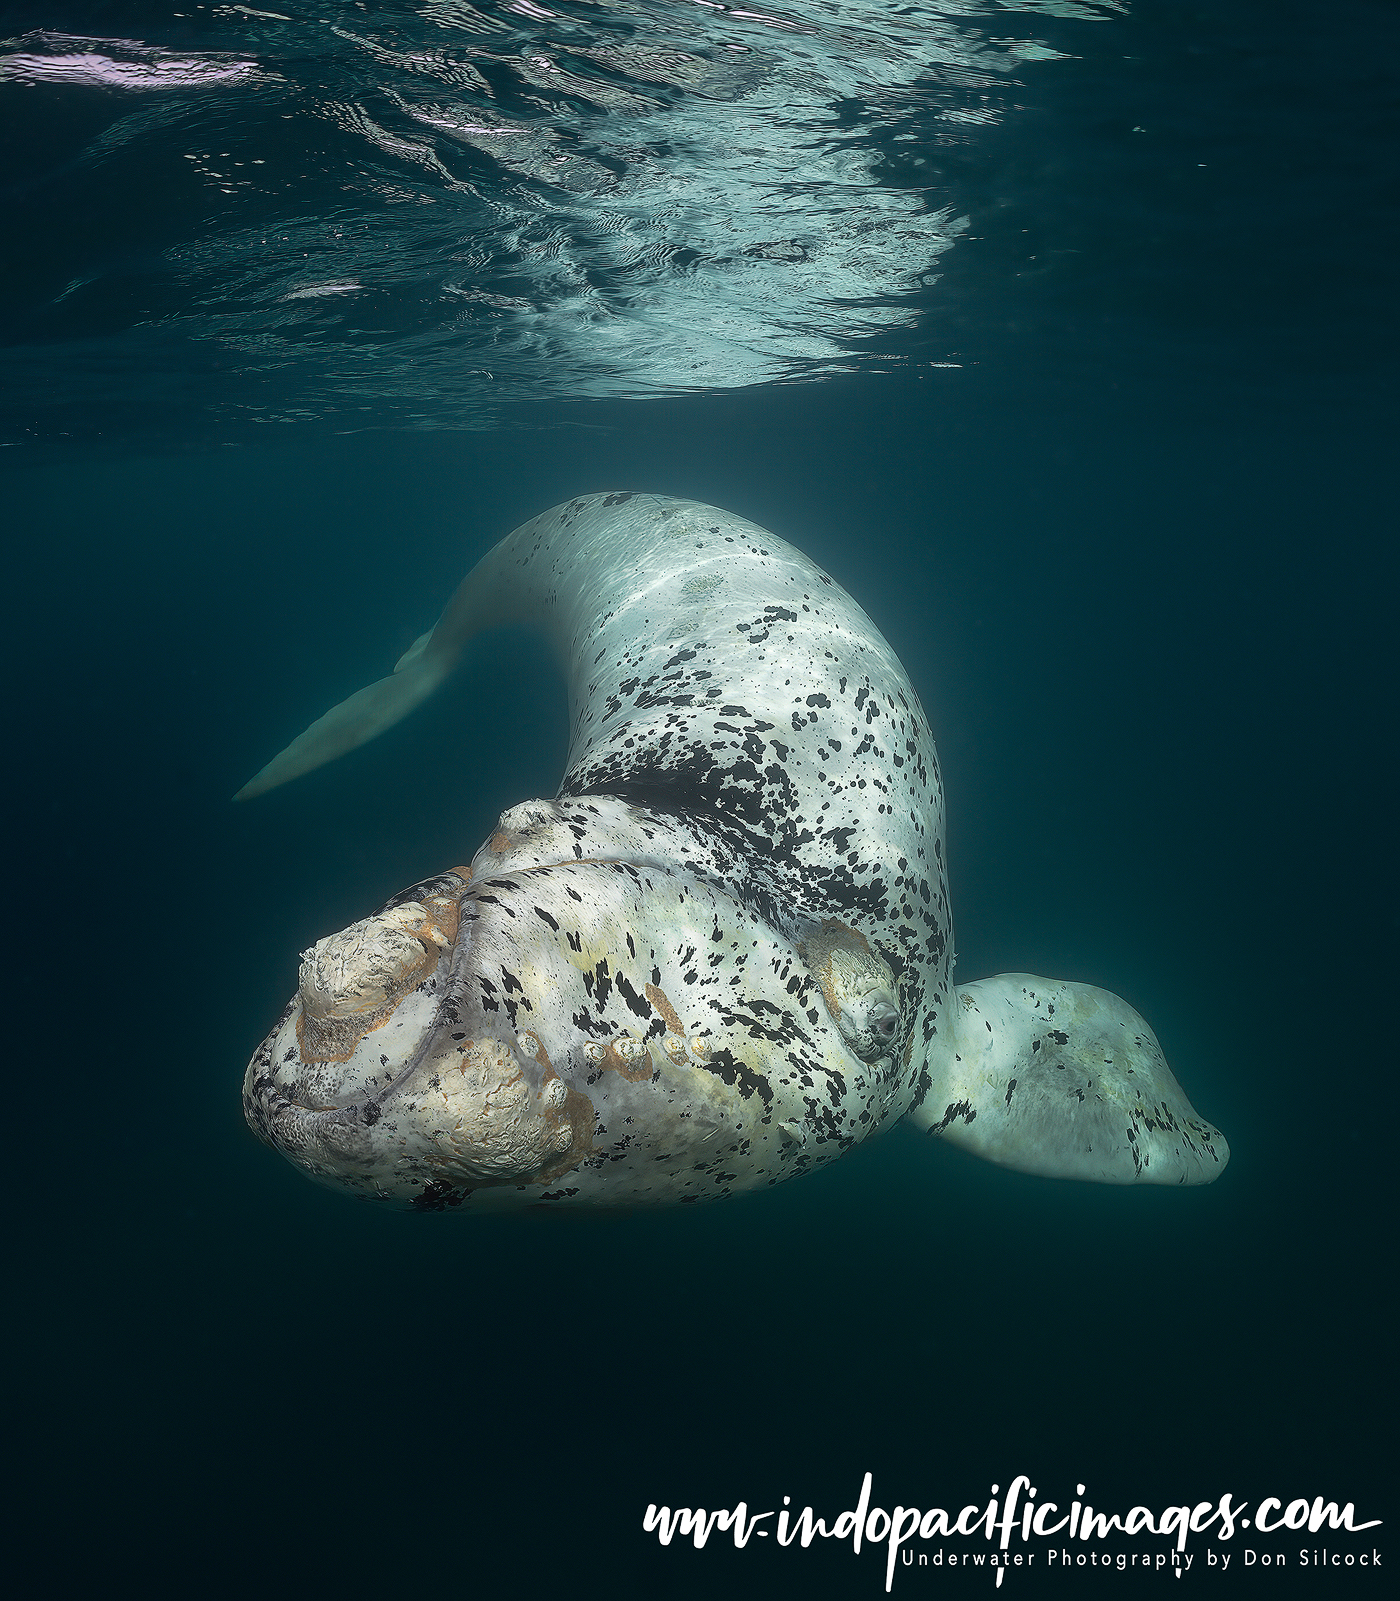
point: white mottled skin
(723, 954)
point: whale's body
(723, 954)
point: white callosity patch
(354, 972)
(632, 1035)
(494, 1124)
(352, 983)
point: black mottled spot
(962, 1109)
(638, 1005)
(437, 1196)
(730, 1070)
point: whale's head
(396, 1075)
(584, 1001)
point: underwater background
(1062, 335)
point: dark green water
(1137, 553)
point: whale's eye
(870, 1025)
(882, 1020)
(858, 987)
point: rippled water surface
(451, 206)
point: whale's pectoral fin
(1067, 1081)
(367, 713)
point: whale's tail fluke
(367, 713)
(486, 597)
